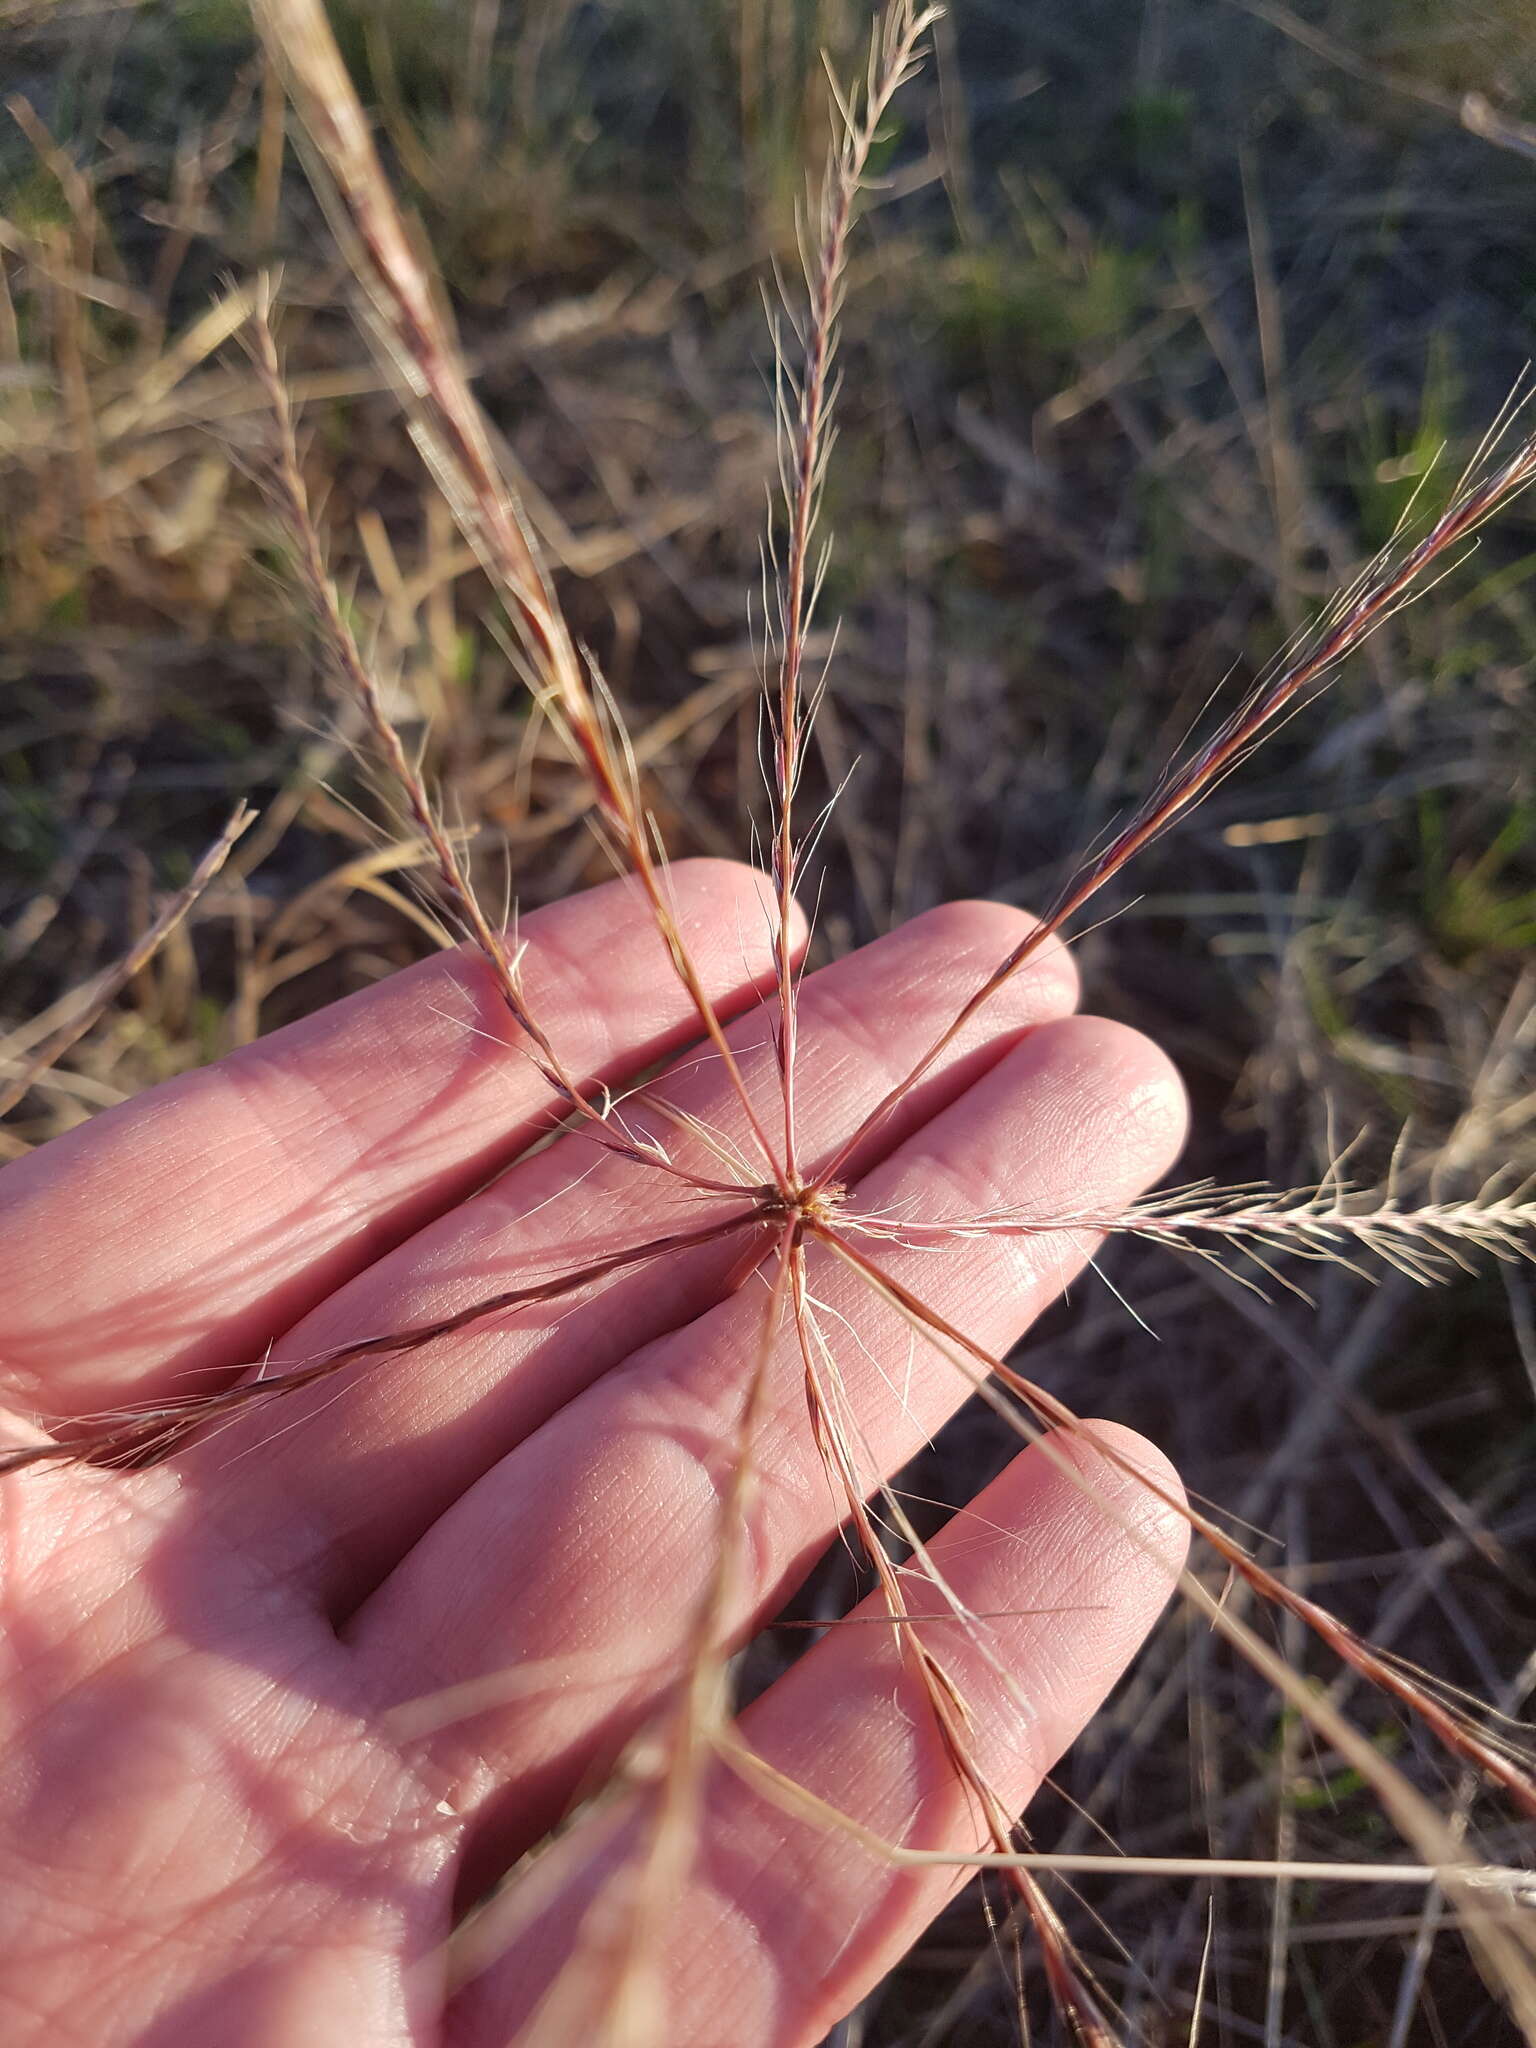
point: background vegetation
(1164, 313)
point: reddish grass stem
(412, 338)
(1357, 615)
(286, 484)
(146, 1434)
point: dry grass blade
(409, 321)
(1496, 1878)
(99, 994)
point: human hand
(225, 1814)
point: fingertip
(1142, 1483)
(734, 892)
(1095, 1530)
(1117, 1098)
(975, 932)
(1152, 1094)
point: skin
(225, 1813)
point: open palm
(276, 1712)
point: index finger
(189, 1227)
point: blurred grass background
(1163, 313)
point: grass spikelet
(806, 397)
(1328, 1225)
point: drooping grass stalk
(609, 1991)
(1055, 1414)
(635, 2013)
(981, 1368)
(1070, 1987)
(1507, 1947)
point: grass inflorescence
(776, 1203)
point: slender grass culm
(782, 1211)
